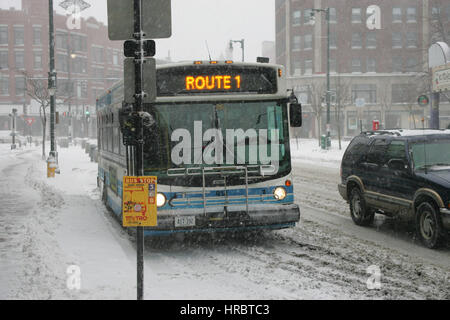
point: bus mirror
(295, 115)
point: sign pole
(139, 147)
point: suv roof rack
(392, 132)
(405, 132)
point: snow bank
(309, 151)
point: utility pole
(13, 126)
(242, 46)
(139, 88)
(52, 80)
(328, 98)
(139, 147)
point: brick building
(383, 71)
(86, 63)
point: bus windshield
(219, 133)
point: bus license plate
(185, 221)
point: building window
(78, 42)
(19, 59)
(356, 15)
(411, 39)
(61, 41)
(37, 60)
(411, 14)
(396, 14)
(368, 92)
(3, 34)
(356, 40)
(308, 67)
(97, 54)
(79, 65)
(356, 65)
(297, 43)
(333, 18)
(307, 14)
(371, 40)
(62, 63)
(435, 13)
(333, 40)
(308, 41)
(402, 92)
(296, 17)
(412, 65)
(4, 86)
(37, 36)
(371, 65)
(396, 40)
(397, 64)
(333, 65)
(3, 59)
(296, 68)
(20, 86)
(115, 58)
(18, 35)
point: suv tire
(361, 214)
(428, 225)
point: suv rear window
(356, 151)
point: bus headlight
(160, 199)
(279, 193)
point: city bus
(218, 142)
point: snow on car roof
(407, 132)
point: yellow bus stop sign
(139, 201)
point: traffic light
(87, 112)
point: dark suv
(400, 173)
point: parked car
(402, 173)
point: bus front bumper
(219, 219)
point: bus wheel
(361, 214)
(428, 225)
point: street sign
(423, 100)
(360, 102)
(131, 46)
(29, 121)
(139, 201)
(156, 22)
(148, 80)
(441, 78)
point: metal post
(139, 148)
(52, 80)
(434, 110)
(70, 133)
(242, 42)
(327, 14)
(13, 119)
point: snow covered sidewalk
(309, 151)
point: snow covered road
(50, 225)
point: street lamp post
(52, 81)
(242, 46)
(328, 98)
(71, 55)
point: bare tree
(342, 97)
(316, 92)
(438, 21)
(37, 90)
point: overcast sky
(197, 21)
